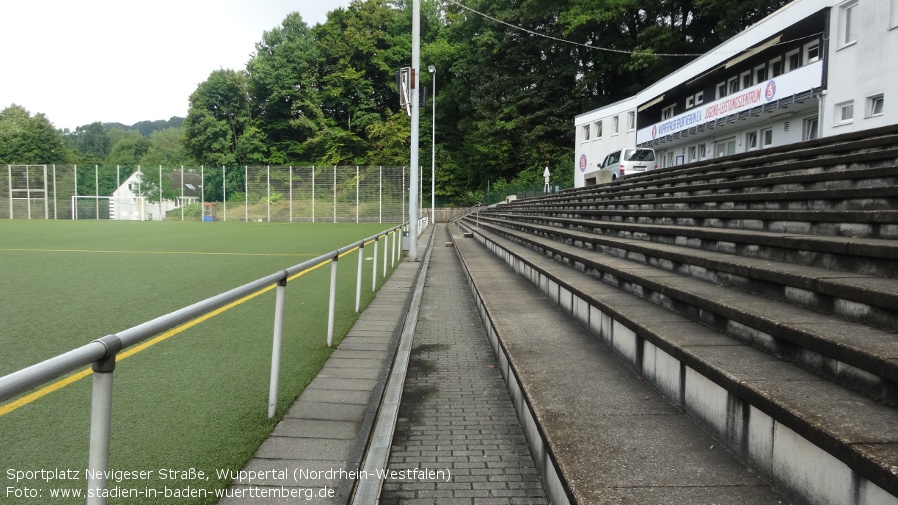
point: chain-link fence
(267, 193)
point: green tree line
(511, 75)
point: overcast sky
(124, 61)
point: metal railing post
(358, 280)
(280, 295)
(101, 421)
(332, 302)
(393, 249)
(374, 265)
(386, 243)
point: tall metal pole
(413, 187)
(433, 147)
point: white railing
(101, 353)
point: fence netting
(249, 193)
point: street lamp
(433, 146)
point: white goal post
(109, 207)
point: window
(848, 24)
(751, 141)
(702, 151)
(585, 129)
(733, 84)
(699, 97)
(692, 154)
(598, 129)
(776, 67)
(812, 51)
(669, 112)
(614, 125)
(767, 137)
(760, 74)
(810, 129)
(725, 147)
(793, 60)
(874, 105)
(690, 102)
(721, 90)
(845, 112)
(631, 120)
(746, 79)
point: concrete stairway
(758, 293)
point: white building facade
(814, 68)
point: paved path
(457, 435)
(311, 454)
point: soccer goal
(109, 207)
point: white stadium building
(814, 68)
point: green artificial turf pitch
(195, 400)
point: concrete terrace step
(598, 433)
(752, 184)
(848, 254)
(823, 442)
(868, 299)
(853, 223)
(860, 357)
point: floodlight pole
(413, 97)
(433, 146)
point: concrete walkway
(315, 453)
(457, 439)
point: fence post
(268, 188)
(356, 194)
(374, 266)
(335, 193)
(245, 193)
(181, 203)
(380, 196)
(386, 243)
(101, 420)
(393, 250)
(290, 179)
(276, 345)
(313, 193)
(224, 193)
(332, 301)
(96, 193)
(358, 279)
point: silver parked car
(628, 161)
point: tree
(165, 148)
(283, 82)
(129, 150)
(29, 140)
(218, 116)
(91, 141)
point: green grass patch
(196, 400)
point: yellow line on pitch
(61, 383)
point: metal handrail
(464, 213)
(101, 353)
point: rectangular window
(702, 151)
(767, 137)
(690, 102)
(733, 84)
(874, 105)
(585, 129)
(700, 96)
(725, 147)
(751, 141)
(793, 60)
(845, 112)
(812, 51)
(776, 67)
(598, 129)
(692, 154)
(760, 74)
(746, 79)
(848, 24)
(631, 121)
(669, 112)
(615, 125)
(721, 90)
(810, 129)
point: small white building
(814, 68)
(127, 203)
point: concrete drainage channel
(368, 490)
